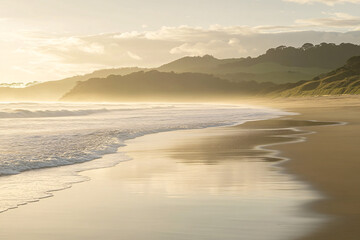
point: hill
(324, 55)
(199, 64)
(279, 65)
(344, 80)
(53, 90)
(162, 86)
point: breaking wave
(23, 113)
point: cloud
(214, 47)
(17, 68)
(146, 48)
(327, 2)
(53, 56)
(133, 55)
(334, 20)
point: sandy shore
(213, 184)
(330, 161)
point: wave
(22, 113)
(55, 151)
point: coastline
(314, 161)
(183, 173)
(331, 166)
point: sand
(192, 185)
(330, 161)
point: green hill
(170, 86)
(162, 86)
(229, 69)
(204, 64)
(324, 55)
(279, 65)
(344, 80)
(272, 72)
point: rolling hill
(229, 69)
(281, 66)
(163, 86)
(169, 86)
(54, 90)
(344, 80)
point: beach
(180, 120)
(329, 161)
(286, 178)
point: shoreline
(268, 155)
(76, 169)
(313, 162)
(331, 169)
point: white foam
(23, 113)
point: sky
(42, 40)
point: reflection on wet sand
(239, 142)
(222, 160)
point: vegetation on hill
(170, 86)
(283, 71)
(272, 72)
(162, 86)
(230, 69)
(203, 64)
(279, 65)
(324, 55)
(344, 80)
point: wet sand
(330, 161)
